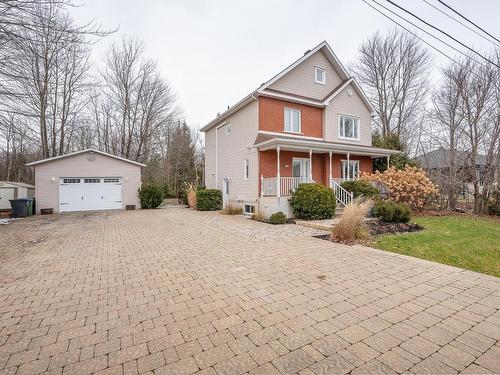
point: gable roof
(440, 158)
(82, 152)
(15, 183)
(264, 88)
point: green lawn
(462, 241)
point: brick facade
(272, 118)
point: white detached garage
(86, 180)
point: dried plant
(232, 209)
(191, 188)
(352, 227)
(409, 185)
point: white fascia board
(48, 160)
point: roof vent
(305, 53)
(218, 114)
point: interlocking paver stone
(176, 291)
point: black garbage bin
(21, 207)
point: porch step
(325, 225)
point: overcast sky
(215, 52)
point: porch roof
(265, 142)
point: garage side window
(71, 180)
(92, 180)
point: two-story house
(309, 123)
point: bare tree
(394, 70)
(479, 94)
(137, 100)
(448, 114)
(43, 68)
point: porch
(286, 163)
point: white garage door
(5, 195)
(90, 193)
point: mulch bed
(378, 228)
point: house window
(350, 169)
(228, 128)
(246, 172)
(319, 75)
(249, 210)
(348, 127)
(292, 120)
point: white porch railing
(287, 185)
(340, 180)
(342, 195)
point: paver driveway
(174, 291)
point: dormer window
(319, 75)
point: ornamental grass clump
(409, 185)
(352, 227)
(232, 209)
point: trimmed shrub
(392, 212)
(360, 188)
(150, 196)
(352, 226)
(277, 218)
(313, 202)
(209, 200)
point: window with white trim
(111, 180)
(348, 127)
(92, 180)
(246, 171)
(292, 120)
(228, 128)
(350, 169)
(71, 180)
(319, 75)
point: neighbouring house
(14, 190)
(86, 180)
(309, 123)
(437, 165)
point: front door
(301, 168)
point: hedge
(209, 200)
(150, 196)
(392, 212)
(313, 202)
(277, 218)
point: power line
(468, 20)
(443, 32)
(425, 31)
(408, 30)
(414, 34)
(461, 23)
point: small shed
(86, 180)
(13, 190)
